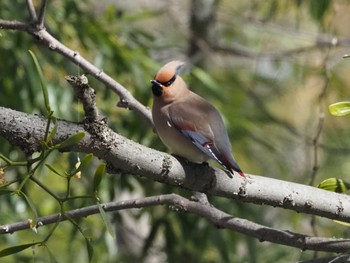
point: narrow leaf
(318, 8)
(31, 205)
(334, 185)
(51, 256)
(90, 249)
(5, 191)
(13, 250)
(53, 131)
(42, 81)
(53, 169)
(341, 223)
(72, 140)
(87, 159)
(340, 108)
(106, 220)
(205, 78)
(99, 174)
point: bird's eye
(168, 83)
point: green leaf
(90, 249)
(340, 108)
(53, 169)
(106, 220)
(87, 159)
(318, 8)
(53, 132)
(13, 250)
(51, 255)
(341, 223)
(42, 81)
(5, 191)
(99, 174)
(205, 78)
(334, 185)
(72, 140)
(31, 205)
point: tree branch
(31, 10)
(212, 214)
(248, 53)
(126, 98)
(42, 11)
(318, 41)
(14, 25)
(123, 155)
(85, 94)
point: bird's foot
(206, 164)
(180, 157)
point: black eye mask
(157, 86)
(169, 82)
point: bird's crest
(167, 74)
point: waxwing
(186, 123)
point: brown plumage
(186, 123)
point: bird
(186, 123)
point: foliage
(272, 103)
(339, 108)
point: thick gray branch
(123, 155)
(217, 217)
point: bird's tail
(237, 169)
(231, 165)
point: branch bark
(215, 216)
(125, 156)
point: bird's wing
(197, 124)
(190, 122)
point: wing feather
(196, 125)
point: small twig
(31, 11)
(248, 53)
(318, 38)
(86, 95)
(53, 44)
(315, 144)
(335, 259)
(316, 139)
(212, 214)
(42, 11)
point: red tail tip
(242, 174)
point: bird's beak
(157, 88)
(155, 82)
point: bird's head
(165, 78)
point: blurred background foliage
(271, 68)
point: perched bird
(186, 123)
